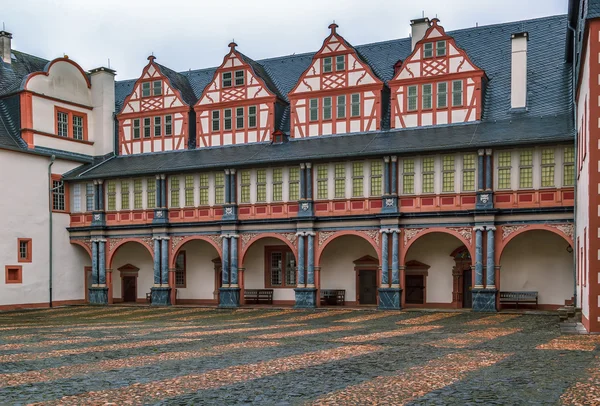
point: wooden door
(467, 284)
(129, 288)
(415, 289)
(367, 287)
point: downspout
(52, 158)
(573, 92)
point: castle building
(444, 170)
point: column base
(389, 298)
(484, 300)
(98, 296)
(161, 296)
(229, 297)
(306, 298)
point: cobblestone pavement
(199, 356)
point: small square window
(13, 274)
(239, 78)
(428, 50)
(226, 79)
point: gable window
(442, 95)
(216, 120)
(251, 116)
(24, 245)
(136, 128)
(376, 178)
(219, 188)
(340, 62)
(174, 192)
(58, 194)
(340, 181)
(239, 78)
(226, 76)
(137, 194)
(448, 170)
(147, 122)
(261, 185)
(314, 109)
(168, 124)
(204, 189)
(428, 50)
(468, 183)
(357, 179)
(327, 65)
(180, 271)
(239, 117)
(13, 274)
(294, 183)
(548, 167)
(157, 126)
(322, 182)
(504, 170)
(146, 89)
(412, 98)
(427, 97)
(189, 190)
(355, 105)
(150, 193)
(89, 197)
(125, 195)
(327, 108)
(569, 167)
(77, 197)
(77, 127)
(281, 267)
(277, 184)
(157, 87)
(457, 93)
(63, 124)
(341, 106)
(408, 176)
(245, 186)
(111, 191)
(526, 169)
(440, 48)
(227, 119)
(428, 172)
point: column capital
(490, 228)
(226, 171)
(234, 236)
(163, 176)
(308, 165)
(302, 166)
(394, 158)
(100, 181)
(480, 152)
(301, 234)
(488, 151)
(101, 240)
(158, 177)
(232, 171)
(386, 159)
(310, 233)
(95, 181)
(224, 236)
(478, 228)
(165, 238)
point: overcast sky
(193, 34)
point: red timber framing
(162, 110)
(448, 66)
(336, 73)
(226, 96)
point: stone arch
(176, 247)
(508, 233)
(84, 245)
(453, 231)
(247, 244)
(113, 249)
(321, 246)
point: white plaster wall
(64, 81)
(337, 263)
(200, 283)
(26, 210)
(434, 250)
(137, 255)
(254, 275)
(538, 261)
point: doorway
(129, 284)
(367, 287)
(467, 293)
(415, 289)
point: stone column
(100, 195)
(480, 170)
(101, 263)
(490, 282)
(158, 192)
(234, 261)
(394, 175)
(309, 193)
(384, 260)
(301, 279)
(95, 263)
(98, 293)
(311, 261)
(225, 262)
(164, 264)
(163, 191)
(395, 260)
(386, 175)
(478, 257)
(302, 181)
(232, 187)
(227, 187)
(96, 196)
(156, 261)
(488, 169)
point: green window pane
(219, 188)
(428, 183)
(314, 109)
(526, 177)
(428, 50)
(174, 192)
(326, 108)
(376, 178)
(125, 195)
(408, 184)
(440, 48)
(504, 181)
(427, 96)
(341, 106)
(261, 185)
(245, 186)
(442, 95)
(412, 98)
(137, 194)
(327, 64)
(457, 93)
(355, 105)
(150, 193)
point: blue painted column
(163, 190)
(395, 260)
(158, 192)
(309, 193)
(232, 187)
(302, 181)
(394, 175)
(227, 187)
(386, 175)
(311, 261)
(234, 261)
(156, 261)
(301, 279)
(164, 264)
(101, 262)
(490, 282)
(488, 169)
(479, 257)
(480, 184)
(384, 260)
(100, 195)
(94, 262)
(225, 262)
(96, 196)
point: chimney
(5, 38)
(518, 74)
(103, 103)
(418, 29)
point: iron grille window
(357, 179)
(448, 171)
(294, 184)
(376, 178)
(504, 170)
(412, 98)
(355, 105)
(340, 181)
(341, 106)
(427, 96)
(216, 118)
(137, 194)
(340, 62)
(189, 190)
(468, 183)
(111, 191)
(150, 193)
(204, 189)
(89, 196)
(226, 79)
(457, 93)
(569, 167)
(276, 265)
(261, 185)
(548, 167)
(526, 169)
(168, 125)
(327, 108)
(219, 188)
(252, 117)
(314, 109)
(442, 95)
(322, 182)
(239, 78)
(174, 192)
(78, 127)
(125, 195)
(245, 186)
(136, 128)
(408, 176)
(277, 184)
(63, 124)
(327, 65)
(428, 174)
(180, 270)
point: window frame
(65, 192)
(147, 127)
(322, 180)
(154, 87)
(376, 175)
(239, 118)
(339, 178)
(428, 173)
(223, 79)
(111, 195)
(327, 62)
(28, 246)
(407, 174)
(168, 125)
(219, 188)
(136, 125)
(7, 271)
(440, 93)
(284, 250)
(189, 191)
(471, 172)
(204, 190)
(125, 195)
(313, 109)
(91, 195)
(425, 95)
(77, 197)
(138, 194)
(505, 169)
(277, 185)
(414, 97)
(215, 120)
(174, 188)
(567, 164)
(227, 120)
(438, 48)
(426, 50)
(184, 270)
(340, 106)
(157, 124)
(70, 124)
(261, 185)
(252, 116)
(150, 193)
(236, 77)
(357, 104)
(338, 63)
(523, 166)
(548, 166)
(461, 92)
(293, 183)
(448, 174)
(358, 179)
(327, 108)
(245, 186)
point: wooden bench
(529, 298)
(258, 296)
(333, 297)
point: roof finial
(151, 58)
(232, 44)
(333, 27)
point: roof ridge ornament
(333, 26)
(232, 45)
(151, 58)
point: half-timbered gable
(338, 93)
(436, 84)
(239, 104)
(154, 117)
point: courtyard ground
(198, 356)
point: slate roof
(593, 9)
(22, 64)
(9, 124)
(179, 82)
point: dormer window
(226, 79)
(239, 78)
(428, 50)
(440, 48)
(340, 62)
(327, 65)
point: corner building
(436, 171)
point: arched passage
(350, 262)
(466, 242)
(197, 264)
(132, 271)
(80, 275)
(538, 260)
